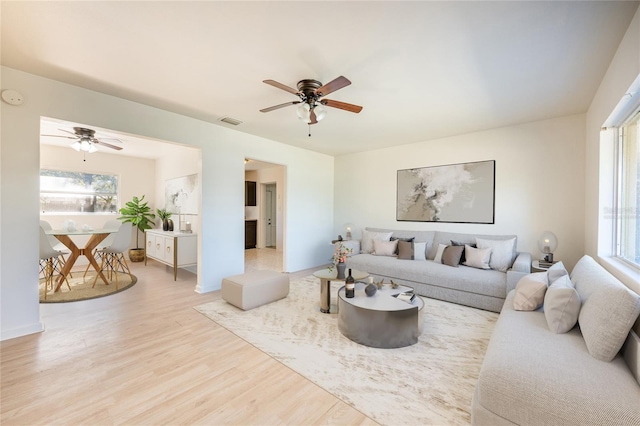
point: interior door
(270, 215)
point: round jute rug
(81, 287)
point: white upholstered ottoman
(253, 289)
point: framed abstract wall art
(181, 195)
(455, 193)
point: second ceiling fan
(310, 93)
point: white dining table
(64, 236)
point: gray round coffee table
(326, 277)
(380, 321)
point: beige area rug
(431, 382)
(81, 287)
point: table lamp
(547, 243)
(349, 227)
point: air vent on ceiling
(230, 120)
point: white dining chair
(110, 224)
(56, 244)
(113, 256)
(50, 262)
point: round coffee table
(382, 320)
(326, 277)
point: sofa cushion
(405, 250)
(531, 376)
(419, 250)
(366, 245)
(476, 257)
(458, 243)
(439, 253)
(503, 252)
(608, 310)
(556, 271)
(561, 305)
(451, 255)
(385, 248)
(530, 292)
(419, 236)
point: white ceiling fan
(86, 141)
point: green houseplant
(139, 214)
(164, 215)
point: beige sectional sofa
(484, 289)
(533, 376)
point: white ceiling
(421, 70)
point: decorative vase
(165, 224)
(342, 267)
(170, 225)
(370, 289)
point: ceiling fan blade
(279, 106)
(108, 145)
(109, 139)
(59, 136)
(333, 85)
(281, 86)
(312, 117)
(71, 133)
(341, 105)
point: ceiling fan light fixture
(76, 145)
(304, 112)
(321, 112)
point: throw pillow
(401, 239)
(369, 236)
(556, 271)
(384, 248)
(405, 250)
(502, 252)
(457, 243)
(561, 305)
(477, 257)
(420, 250)
(530, 292)
(451, 255)
(608, 310)
(438, 258)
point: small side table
(535, 266)
(326, 277)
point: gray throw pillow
(556, 271)
(451, 255)
(405, 250)
(561, 305)
(608, 310)
(458, 243)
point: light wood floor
(144, 356)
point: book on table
(406, 296)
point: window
(627, 225)
(76, 192)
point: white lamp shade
(548, 242)
(320, 111)
(304, 113)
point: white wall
(623, 70)
(309, 195)
(539, 183)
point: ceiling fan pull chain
(309, 130)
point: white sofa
(532, 376)
(484, 289)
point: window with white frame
(627, 192)
(77, 192)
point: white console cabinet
(171, 248)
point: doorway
(270, 215)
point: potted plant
(164, 215)
(139, 214)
